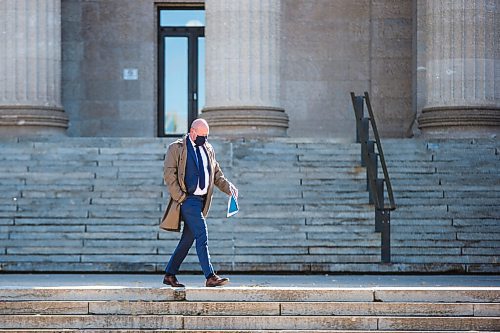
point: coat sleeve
(219, 179)
(170, 174)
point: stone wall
(391, 66)
(100, 40)
(497, 52)
(420, 96)
(325, 55)
(328, 48)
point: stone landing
(140, 303)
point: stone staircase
(448, 195)
(94, 204)
(249, 309)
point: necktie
(201, 168)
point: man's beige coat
(173, 174)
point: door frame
(192, 33)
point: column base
(460, 121)
(246, 121)
(32, 120)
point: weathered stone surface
(447, 295)
(185, 308)
(279, 294)
(89, 294)
(281, 322)
(287, 309)
(86, 321)
(62, 267)
(225, 331)
(429, 323)
(43, 307)
(376, 309)
(33, 258)
(486, 310)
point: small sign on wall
(130, 74)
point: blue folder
(232, 206)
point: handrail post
(374, 162)
(365, 137)
(378, 210)
(358, 102)
(382, 223)
(386, 235)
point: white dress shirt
(204, 157)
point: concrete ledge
(323, 303)
(282, 294)
(225, 331)
(429, 323)
(89, 321)
(91, 293)
(438, 294)
(281, 322)
(250, 322)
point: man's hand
(234, 190)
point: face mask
(200, 140)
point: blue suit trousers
(195, 228)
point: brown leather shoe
(171, 280)
(216, 281)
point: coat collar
(188, 145)
(190, 150)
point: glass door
(181, 86)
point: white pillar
(30, 67)
(242, 62)
(462, 36)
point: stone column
(462, 54)
(30, 67)
(243, 74)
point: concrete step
(220, 259)
(250, 309)
(260, 294)
(250, 323)
(217, 331)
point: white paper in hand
(232, 205)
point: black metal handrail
(370, 159)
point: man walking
(190, 173)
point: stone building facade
(272, 67)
